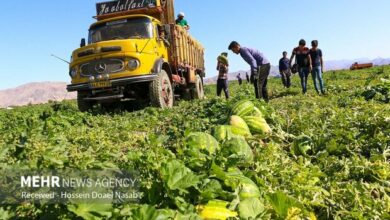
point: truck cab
(134, 56)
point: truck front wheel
(83, 105)
(161, 91)
(197, 91)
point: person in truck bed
(223, 69)
(181, 21)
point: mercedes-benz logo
(100, 67)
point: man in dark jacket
(239, 79)
(304, 63)
(260, 67)
(284, 70)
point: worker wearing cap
(181, 21)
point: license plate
(103, 84)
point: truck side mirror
(82, 43)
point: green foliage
(282, 204)
(91, 211)
(326, 157)
(250, 208)
(178, 177)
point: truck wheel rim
(166, 91)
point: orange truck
(357, 66)
(135, 51)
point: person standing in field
(260, 67)
(181, 21)
(318, 67)
(247, 77)
(285, 71)
(303, 60)
(239, 79)
(223, 69)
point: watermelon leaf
(178, 177)
(250, 208)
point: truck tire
(83, 105)
(198, 90)
(161, 91)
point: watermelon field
(296, 157)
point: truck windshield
(134, 28)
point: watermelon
(248, 190)
(237, 121)
(199, 150)
(242, 108)
(243, 132)
(220, 132)
(246, 187)
(257, 112)
(225, 132)
(203, 142)
(223, 60)
(257, 125)
(237, 148)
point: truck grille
(103, 66)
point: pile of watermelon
(227, 151)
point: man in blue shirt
(285, 71)
(318, 67)
(260, 67)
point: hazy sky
(32, 30)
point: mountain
(35, 93)
(346, 64)
(329, 65)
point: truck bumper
(114, 82)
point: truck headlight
(133, 64)
(73, 72)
